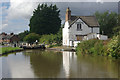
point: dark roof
(91, 21)
(6, 36)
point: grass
(8, 49)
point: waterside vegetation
(5, 50)
(98, 47)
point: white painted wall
(73, 30)
(102, 37)
(76, 43)
(65, 31)
(96, 30)
(69, 34)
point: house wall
(96, 30)
(65, 34)
(85, 30)
(73, 30)
(69, 34)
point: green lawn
(7, 49)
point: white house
(78, 28)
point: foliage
(52, 39)
(32, 37)
(107, 21)
(116, 30)
(7, 49)
(47, 39)
(92, 46)
(114, 47)
(118, 19)
(45, 20)
(23, 34)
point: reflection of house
(68, 57)
(78, 28)
(11, 38)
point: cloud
(18, 13)
(58, 0)
(101, 1)
(21, 9)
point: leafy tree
(116, 30)
(45, 20)
(32, 37)
(107, 21)
(114, 46)
(52, 38)
(59, 36)
(118, 19)
(23, 34)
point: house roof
(6, 36)
(91, 21)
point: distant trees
(52, 38)
(107, 21)
(23, 34)
(45, 20)
(32, 37)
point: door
(79, 37)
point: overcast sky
(15, 14)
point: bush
(92, 46)
(31, 38)
(114, 47)
(52, 39)
(47, 39)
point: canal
(54, 64)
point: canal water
(53, 64)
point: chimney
(68, 14)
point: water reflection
(46, 64)
(51, 64)
(67, 61)
(16, 66)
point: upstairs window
(79, 28)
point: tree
(23, 34)
(52, 38)
(32, 37)
(114, 46)
(45, 20)
(118, 19)
(107, 21)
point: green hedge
(114, 47)
(90, 47)
(97, 47)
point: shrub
(47, 39)
(52, 39)
(32, 37)
(92, 46)
(114, 47)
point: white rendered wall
(65, 32)
(73, 30)
(96, 30)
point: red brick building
(9, 38)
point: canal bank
(62, 48)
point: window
(79, 27)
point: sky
(15, 14)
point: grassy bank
(98, 47)
(9, 49)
